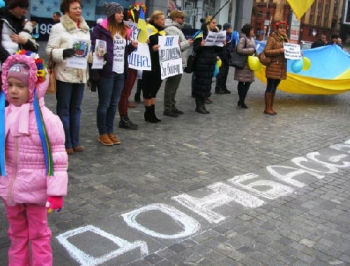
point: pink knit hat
(19, 71)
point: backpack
(265, 60)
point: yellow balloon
(254, 63)
(219, 63)
(307, 63)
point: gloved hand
(54, 203)
(69, 52)
(105, 56)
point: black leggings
(243, 88)
(272, 85)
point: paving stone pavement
(198, 156)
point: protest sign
(81, 49)
(215, 38)
(100, 50)
(170, 56)
(292, 51)
(140, 59)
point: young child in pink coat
(33, 159)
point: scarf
(156, 29)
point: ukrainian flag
(142, 26)
(329, 72)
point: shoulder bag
(264, 60)
(191, 62)
(238, 60)
(52, 77)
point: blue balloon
(297, 65)
(2, 3)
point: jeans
(109, 91)
(69, 97)
(171, 86)
(272, 85)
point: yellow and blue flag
(142, 26)
(329, 72)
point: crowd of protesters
(114, 81)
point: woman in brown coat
(277, 70)
(245, 76)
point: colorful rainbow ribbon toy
(44, 137)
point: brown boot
(78, 148)
(105, 140)
(114, 139)
(268, 99)
(70, 151)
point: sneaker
(226, 91)
(105, 140)
(170, 113)
(114, 139)
(177, 111)
(78, 148)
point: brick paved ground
(189, 154)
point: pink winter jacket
(26, 180)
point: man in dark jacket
(319, 42)
(225, 55)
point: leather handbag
(191, 62)
(265, 60)
(52, 77)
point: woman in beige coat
(70, 81)
(245, 76)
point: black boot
(199, 106)
(242, 104)
(137, 97)
(126, 123)
(148, 115)
(154, 113)
(204, 107)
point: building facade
(323, 17)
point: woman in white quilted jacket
(70, 81)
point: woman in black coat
(152, 79)
(206, 57)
